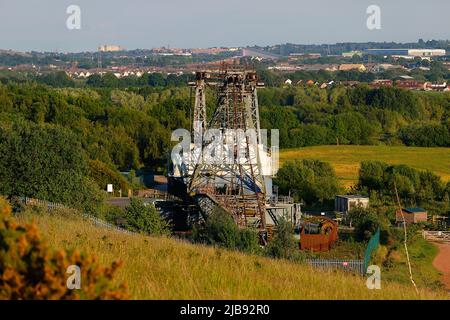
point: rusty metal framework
(236, 186)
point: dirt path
(442, 262)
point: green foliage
(103, 175)
(46, 162)
(310, 180)
(412, 185)
(371, 174)
(359, 115)
(144, 218)
(365, 221)
(57, 79)
(114, 214)
(283, 245)
(432, 135)
(352, 128)
(221, 230)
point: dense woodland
(53, 131)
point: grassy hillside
(162, 268)
(422, 254)
(346, 158)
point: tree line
(111, 130)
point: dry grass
(162, 268)
(346, 159)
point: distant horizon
(224, 46)
(42, 25)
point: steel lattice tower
(236, 186)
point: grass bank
(163, 268)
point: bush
(103, 175)
(30, 270)
(365, 221)
(221, 230)
(283, 245)
(145, 218)
(114, 214)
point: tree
(310, 180)
(353, 128)
(46, 162)
(412, 185)
(365, 221)
(144, 218)
(432, 135)
(57, 79)
(371, 175)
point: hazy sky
(41, 24)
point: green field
(346, 159)
(164, 268)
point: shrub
(365, 221)
(103, 175)
(30, 270)
(283, 245)
(221, 230)
(114, 214)
(145, 218)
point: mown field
(163, 268)
(346, 158)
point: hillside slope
(346, 159)
(161, 268)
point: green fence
(358, 266)
(371, 247)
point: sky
(40, 25)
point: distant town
(417, 66)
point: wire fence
(354, 265)
(52, 206)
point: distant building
(109, 48)
(424, 53)
(318, 67)
(350, 54)
(345, 203)
(211, 51)
(304, 55)
(381, 83)
(352, 66)
(284, 67)
(436, 86)
(380, 67)
(412, 215)
(407, 83)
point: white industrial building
(423, 53)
